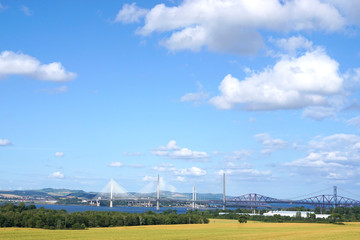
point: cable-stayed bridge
(113, 191)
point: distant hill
(47, 193)
(55, 194)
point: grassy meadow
(216, 229)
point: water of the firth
(80, 208)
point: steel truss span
(323, 201)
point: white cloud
(59, 154)
(349, 8)
(292, 44)
(172, 145)
(164, 167)
(234, 25)
(26, 10)
(319, 113)
(185, 153)
(171, 150)
(180, 179)
(115, 164)
(238, 155)
(319, 160)
(61, 89)
(331, 157)
(130, 13)
(292, 83)
(194, 97)
(193, 171)
(270, 144)
(5, 142)
(169, 168)
(355, 121)
(148, 178)
(335, 141)
(20, 64)
(57, 174)
(246, 173)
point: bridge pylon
(335, 197)
(158, 194)
(224, 198)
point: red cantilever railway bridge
(258, 200)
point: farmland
(216, 229)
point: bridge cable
(354, 194)
(310, 194)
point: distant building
(304, 214)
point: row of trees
(339, 214)
(28, 216)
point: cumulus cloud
(355, 121)
(292, 83)
(12, 63)
(330, 156)
(349, 8)
(180, 179)
(130, 13)
(245, 173)
(193, 171)
(196, 97)
(57, 174)
(293, 44)
(5, 142)
(238, 155)
(270, 144)
(59, 154)
(231, 25)
(115, 164)
(148, 178)
(170, 168)
(319, 113)
(171, 150)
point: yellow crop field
(216, 229)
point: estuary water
(82, 208)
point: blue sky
(264, 91)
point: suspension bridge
(113, 191)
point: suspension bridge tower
(111, 192)
(224, 199)
(158, 194)
(335, 197)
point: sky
(265, 91)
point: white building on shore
(303, 214)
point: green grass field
(216, 229)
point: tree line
(339, 214)
(30, 217)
